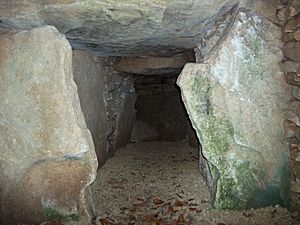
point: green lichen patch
(53, 214)
(237, 186)
(215, 132)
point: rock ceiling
(120, 27)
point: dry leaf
(178, 203)
(104, 221)
(131, 217)
(151, 217)
(170, 210)
(157, 201)
(181, 219)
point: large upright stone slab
(237, 101)
(89, 76)
(107, 101)
(47, 154)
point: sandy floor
(158, 183)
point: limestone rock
(119, 27)
(43, 135)
(150, 65)
(292, 50)
(286, 37)
(281, 14)
(293, 117)
(296, 187)
(292, 78)
(89, 75)
(237, 101)
(297, 35)
(290, 129)
(191, 136)
(296, 169)
(298, 157)
(290, 66)
(125, 112)
(293, 24)
(295, 106)
(296, 5)
(296, 92)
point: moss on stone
(216, 132)
(250, 65)
(53, 214)
(237, 189)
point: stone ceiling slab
(119, 27)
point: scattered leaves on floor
(104, 221)
(157, 201)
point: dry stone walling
(47, 153)
(289, 16)
(238, 101)
(107, 101)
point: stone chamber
(149, 112)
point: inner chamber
(148, 157)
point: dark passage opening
(155, 179)
(160, 113)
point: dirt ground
(158, 183)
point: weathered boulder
(238, 101)
(47, 154)
(119, 27)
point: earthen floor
(159, 183)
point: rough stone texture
(107, 101)
(120, 99)
(238, 101)
(191, 135)
(296, 92)
(290, 66)
(125, 112)
(292, 50)
(151, 65)
(89, 76)
(293, 24)
(265, 8)
(47, 153)
(297, 35)
(119, 27)
(212, 36)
